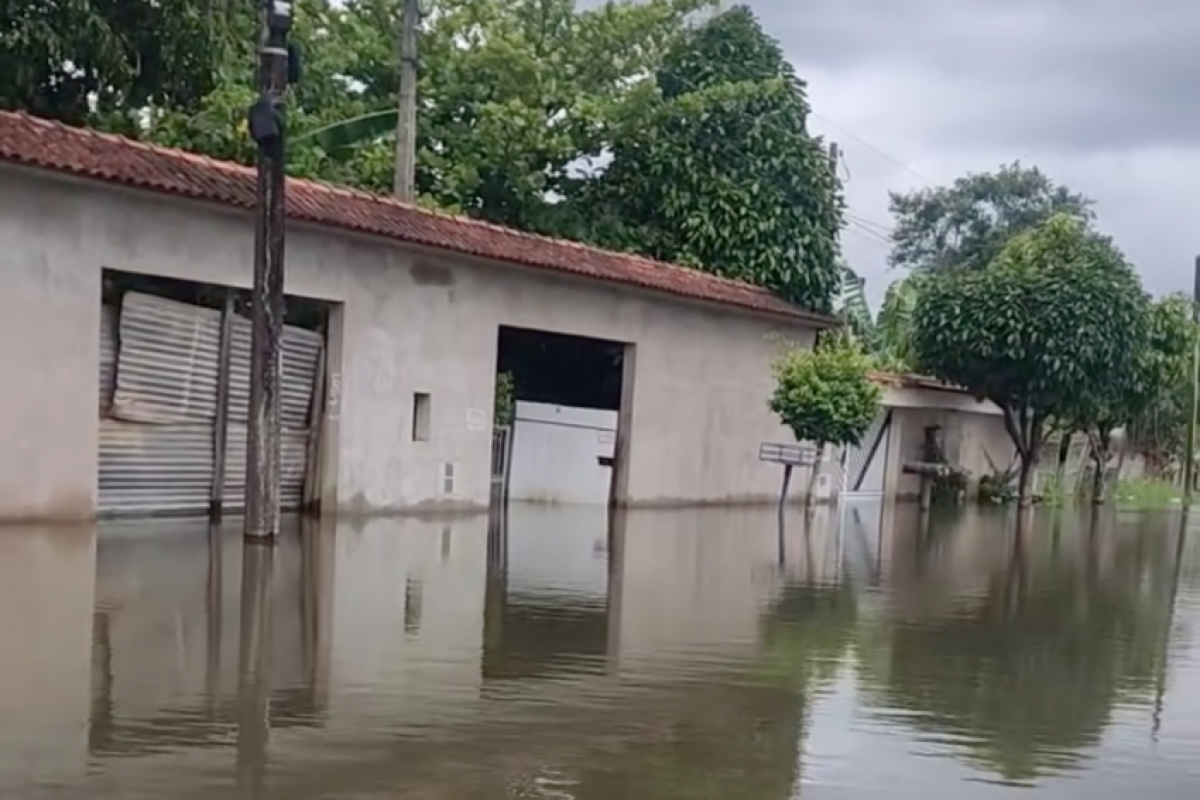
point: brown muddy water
(667, 655)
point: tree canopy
(717, 170)
(826, 395)
(1041, 332)
(966, 225)
(1159, 422)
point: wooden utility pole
(406, 121)
(1194, 407)
(267, 127)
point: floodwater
(667, 655)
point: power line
(868, 233)
(882, 153)
(876, 227)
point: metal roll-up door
(300, 355)
(156, 446)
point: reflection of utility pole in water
(254, 668)
(213, 610)
(496, 588)
(1160, 679)
(615, 599)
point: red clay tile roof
(912, 381)
(49, 145)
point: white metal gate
(866, 463)
(561, 454)
(158, 399)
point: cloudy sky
(1099, 94)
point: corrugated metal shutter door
(154, 469)
(156, 448)
(300, 356)
(156, 442)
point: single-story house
(113, 401)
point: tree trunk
(813, 474)
(1060, 468)
(1024, 479)
(1101, 447)
(1099, 464)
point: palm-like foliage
(851, 305)
(894, 324)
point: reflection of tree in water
(742, 739)
(721, 741)
(808, 633)
(1028, 679)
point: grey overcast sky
(1098, 93)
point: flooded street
(669, 655)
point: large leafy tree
(717, 170)
(97, 61)
(1041, 330)
(512, 95)
(964, 226)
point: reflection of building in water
(165, 652)
(611, 658)
(46, 582)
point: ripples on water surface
(670, 655)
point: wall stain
(426, 274)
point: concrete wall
(407, 323)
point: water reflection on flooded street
(660, 655)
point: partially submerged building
(126, 346)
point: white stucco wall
(409, 323)
(973, 437)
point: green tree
(966, 225)
(718, 171)
(1038, 332)
(107, 61)
(1158, 430)
(1138, 394)
(512, 95)
(826, 395)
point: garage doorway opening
(174, 387)
(563, 407)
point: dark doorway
(561, 369)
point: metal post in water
(1194, 406)
(267, 127)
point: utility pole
(1189, 465)
(406, 121)
(267, 127)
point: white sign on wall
(476, 419)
